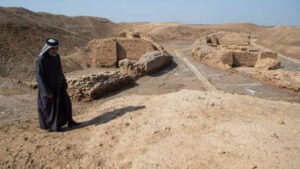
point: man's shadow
(106, 117)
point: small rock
(212, 104)
(222, 152)
(281, 122)
(68, 147)
(274, 135)
(99, 163)
(155, 132)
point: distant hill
(23, 33)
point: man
(54, 104)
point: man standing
(54, 104)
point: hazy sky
(263, 12)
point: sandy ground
(184, 129)
(167, 120)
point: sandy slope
(185, 129)
(283, 39)
(23, 33)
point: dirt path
(197, 73)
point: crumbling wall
(281, 78)
(228, 49)
(93, 86)
(267, 54)
(148, 63)
(244, 59)
(268, 64)
(104, 52)
(131, 45)
(233, 39)
(133, 48)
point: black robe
(56, 112)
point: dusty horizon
(267, 13)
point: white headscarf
(50, 43)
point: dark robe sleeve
(41, 78)
(65, 84)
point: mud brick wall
(264, 55)
(246, 59)
(107, 53)
(133, 49)
(232, 39)
(104, 53)
(226, 57)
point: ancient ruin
(130, 45)
(136, 55)
(148, 63)
(228, 49)
(93, 86)
(281, 78)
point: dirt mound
(208, 129)
(179, 31)
(23, 34)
